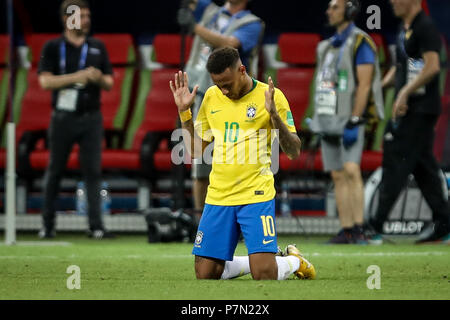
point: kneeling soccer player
(241, 115)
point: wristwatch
(355, 120)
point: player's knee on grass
(208, 268)
(263, 266)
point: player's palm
(184, 99)
(270, 93)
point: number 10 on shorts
(268, 226)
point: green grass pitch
(130, 268)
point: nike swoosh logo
(213, 112)
(267, 242)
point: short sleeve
(365, 54)
(428, 38)
(284, 111)
(248, 35)
(200, 9)
(106, 67)
(201, 124)
(49, 59)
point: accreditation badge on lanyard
(414, 67)
(326, 99)
(326, 96)
(67, 98)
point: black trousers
(65, 130)
(408, 149)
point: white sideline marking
(42, 243)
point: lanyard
(62, 57)
(342, 47)
(327, 66)
(401, 43)
(341, 53)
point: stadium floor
(130, 268)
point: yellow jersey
(243, 134)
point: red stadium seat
(36, 42)
(119, 46)
(161, 112)
(168, 48)
(295, 84)
(111, 100)
(36, 107)
(306, 161)
(298, 48)
(378, 40)
(4, 48)
(370, 161)
(161, 115)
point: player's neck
(248, 86)
(409, 17)
(344, 25)
(234, 8)
(74, 37)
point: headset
(352, 8)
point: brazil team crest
(251, 111)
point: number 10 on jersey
(231, 132)
(268, 226)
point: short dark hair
(83, 4)
(221, 59)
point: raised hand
(270, 102)
(184, 99)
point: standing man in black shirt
(76, 68)
(408, 144)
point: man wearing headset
(347, 82)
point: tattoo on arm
(290, 143)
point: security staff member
(75, 67)
(347, 81)
(408, 143)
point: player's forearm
(388, 80)
(188, 135)
(361, 99)
(193, 142)
(53, 82)
(430, 70)
(290, 143)
(215, 39)
(106, 82)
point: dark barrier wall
(154, 16)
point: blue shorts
(220, 227)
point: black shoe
(100, 234)
(433, 233)
(358, 235)
(343, 237)
(46, 233)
